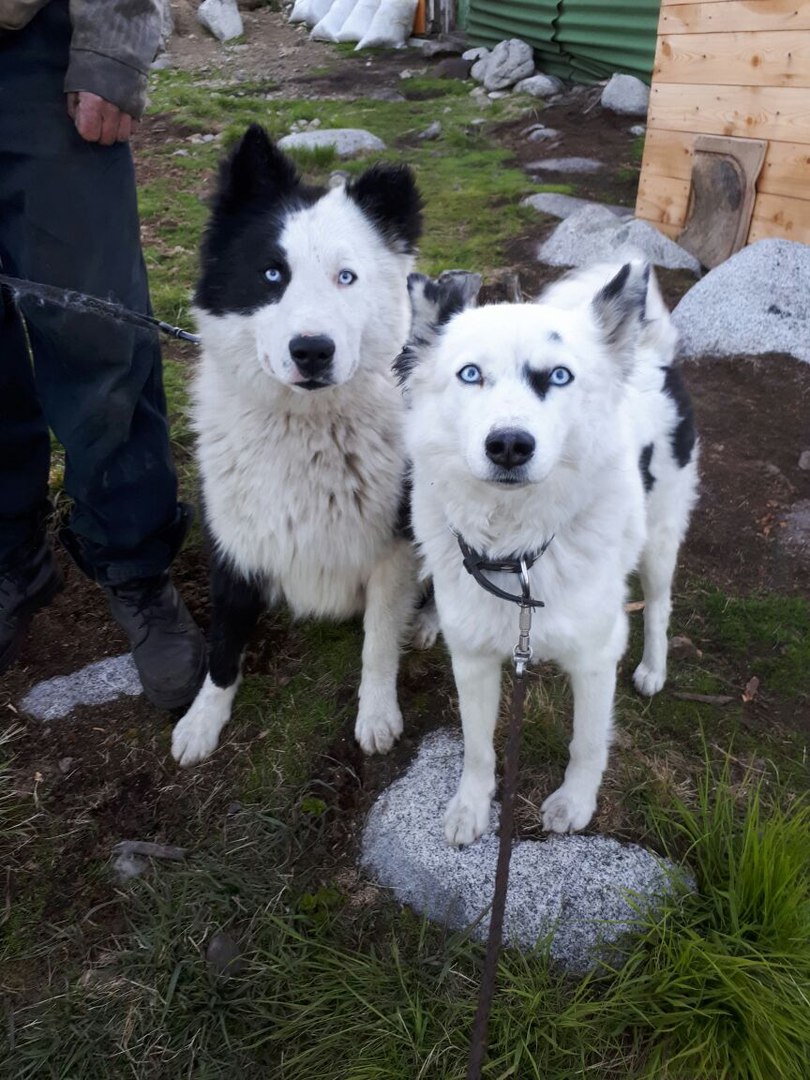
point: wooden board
(781, 113)
(663, 201)
(733, 15)
(774, 215)
(764, 58)
(721, 199)
(786, 170)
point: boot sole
(26, 612)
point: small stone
(65, 765)
(539, 86)
(181, 153)
(475, 54)
(543, 135)
(804, 460)
(563, 206)
(161, 62)
(638, 129)
(208, 138)
(568, 165)
(406, 73)
(683, 648)
(496, 95)
(223, 955)
(432, 131)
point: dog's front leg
(572, 805)
(236, 606)
(478, 681)
(390, 600)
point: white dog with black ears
(560, 425)
(302, 306)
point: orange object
(419, 18)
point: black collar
(477, 565)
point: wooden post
(419, 18)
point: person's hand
(98, 120)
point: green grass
(716, 986)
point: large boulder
(595, 233)
(508, 63)
(584, 892)
(627, 95)
(758, 301)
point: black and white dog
(302, 307)
(560, 425)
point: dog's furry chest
(306, 500)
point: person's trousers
(68, 217)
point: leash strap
(478, 1043)
(93, 305)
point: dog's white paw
(425, 627)
(466, 818)
(649, 681)
(197, 734)
(567, 810)
(377, 729)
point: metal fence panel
(581, 39)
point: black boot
(29, 585)
(167, 645)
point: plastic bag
(333, 20)
(392, 24)
(359, 21)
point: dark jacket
(113, 44)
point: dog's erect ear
(388, 196)
(619, 308)
(256, 171)
(434, 303)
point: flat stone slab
(594, 232)
(98, 683)
(346, 141)
(758, 301)
(583, 891)
(567, 164)
(563, 206)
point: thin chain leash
(521, 656)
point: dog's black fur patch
(236, 605)
(388, 196)
(258, 188)
(645, 458)
(682, 437)
(433, 305)
(621, 303)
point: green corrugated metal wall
(578, 39)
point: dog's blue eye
(347, 277)
(273, 275)
(470, 374)
(560, 376)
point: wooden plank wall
(731, 67)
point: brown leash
(478, 1043)
(522, 655)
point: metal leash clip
(522, 652)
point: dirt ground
(110, 768)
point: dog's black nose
(312, 354)
(509, 447)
